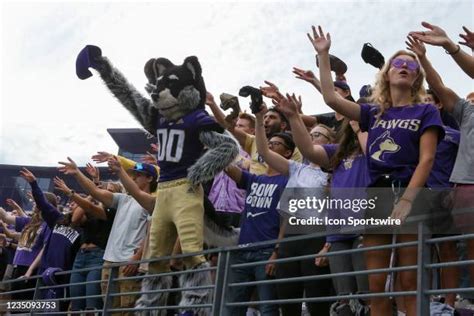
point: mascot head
(175, 90)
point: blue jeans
(87, 258)
(247, 274)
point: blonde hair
(381, 90)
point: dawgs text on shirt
(393, 145)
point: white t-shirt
(128, 229)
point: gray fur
(189, 99)
(217, 236)
(223, 149)
(195, 297)
(140, 107)
(154, 299)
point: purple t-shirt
(349, 181)
(179, 143)
(393, 145)
(261, 220)
(26, 252)
(62, 242)
(444, 161)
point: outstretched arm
(223, 149)
(89, 208)
(315, 154)
(437, 36)
(146, 200)
(49, 213)
(274, 160)
(219, 115)
(71, 168)
(447, 96)
(321, 44)
(6, 217)
(127, 94)
(16, 207)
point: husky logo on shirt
(384, 144)
(260, 195)
(348, 163)
(410, 124)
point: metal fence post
(108, 300)
(36, 294)
(423, 274)
(221, 283)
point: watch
(71, 193)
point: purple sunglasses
(399, 62)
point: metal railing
(221, 286)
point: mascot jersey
(179, 144)
(393, 144)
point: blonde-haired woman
(402, 138)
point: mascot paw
(255, 95)
(88, 57)
(196, 174)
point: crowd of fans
(427, 142)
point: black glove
(372, 56)
(256, 97)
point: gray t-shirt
(128, 229)
(463, 171)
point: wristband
(405, 199)
(453, 53)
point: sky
(47, 113)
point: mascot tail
(216, 232)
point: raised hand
(468, 38)
(298, 102)
(271, 91)
(210, 99)
(60, 185)
(93, 171)
(416, 46)
(101, 156)
(27, 175)
(114, 164)
(320, 42)
(306, 75)
(286, 105)
(69, 167)
(14, 205)
(435, 35)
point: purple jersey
(179, 143)
(62, 242)
(261, 220)
(352, 172)
(349, 181)
(444, 161)
(26, 252)
(393, 145)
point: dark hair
(435, 97)
(282, 116)
(153, 185)
(348, 144)
(288, 139)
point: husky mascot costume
(176, 116)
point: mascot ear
(154, 68)
(192, 63)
